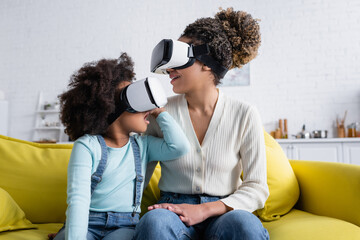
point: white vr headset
(173, 54)
(140, 96)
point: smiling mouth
(174, 78)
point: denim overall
(103, 223)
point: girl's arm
(173, 145)
(78, 192)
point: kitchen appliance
(320, 134)
(303, 133)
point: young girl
(203, 195)
(106, 168)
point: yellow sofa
(327, 195)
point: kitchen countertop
(318, 140)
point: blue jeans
(163, 224)
(108, 226)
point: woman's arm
(174, 143)
(253, 191)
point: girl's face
(191, 78)
(134, 122)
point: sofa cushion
(32, 234)
(300, 225)
(35, 176)
(11, 215)
(152, 192)
(282, 182)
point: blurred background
(307, 70)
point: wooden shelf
(48, 127)
(48, 111)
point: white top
(233, 143)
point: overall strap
(139, 178)
(97, 175)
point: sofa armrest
(329, 189)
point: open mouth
(174, 78)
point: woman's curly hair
(85, 107)
(233, 37)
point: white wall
(307, 71)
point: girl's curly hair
(90, 99)
(233, 37)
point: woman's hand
(157, 111)
(191, 214)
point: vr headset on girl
(169, 53)
(140, 96)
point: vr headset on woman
(169, 53)
(140, 96)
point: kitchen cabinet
(352, 153)
(344, 150)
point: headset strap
(121, 105)
(201, 53)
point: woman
(203, 196)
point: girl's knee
(158, 224)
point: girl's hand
(51, 236)
(157, 111)
(189, 214)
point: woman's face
(191, 78)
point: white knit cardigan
(233, 143)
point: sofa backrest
(35, 177)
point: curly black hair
(85, 107)
(233, 37)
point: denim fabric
(108, 226)
(163, 224)
(97, 175)
(139, 178)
